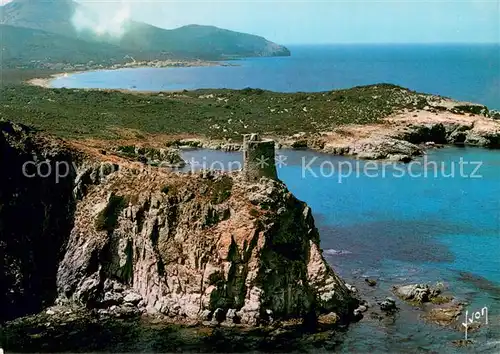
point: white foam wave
(332, 252)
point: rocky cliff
(36, 215)
(190, 247)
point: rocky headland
(112, 235)
(418, 122)
(401, 136)
(86, 232)
(407, 134)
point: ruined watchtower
(258, 158)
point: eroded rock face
(191, 247)
(247, 254)
(474, 133)
(36, 216)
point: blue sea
(394, 229)
(463, 72)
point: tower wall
(258, 157)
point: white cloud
(110, 21)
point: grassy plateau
(214, 114)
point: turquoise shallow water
(465, 72)
(403, 230)
(452, 222)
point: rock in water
(329, 318)
(418, 293)
(388, 305)
(155, 240)
(447, 316)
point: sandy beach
(46, 82)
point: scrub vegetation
(220, 114)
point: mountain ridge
(140, 39)
(31, 48)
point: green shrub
(216, 278)
(129, 149)
(254, 213)
(165, 189)
(474, 109)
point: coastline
(399, 137)
(442, 318)
(45, 82)
(424, 122)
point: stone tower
(258, 158)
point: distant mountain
(27, 47)
(47, 15)
(139, 39)
(207, 42)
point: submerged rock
(462, 343)
(447, 315)
(388, 305)
(417, 293)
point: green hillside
(48, 15)
(207, 42)
(78, 113)
(27, 48)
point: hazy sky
(326, 21)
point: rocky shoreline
(202, 253)
(118, 326)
